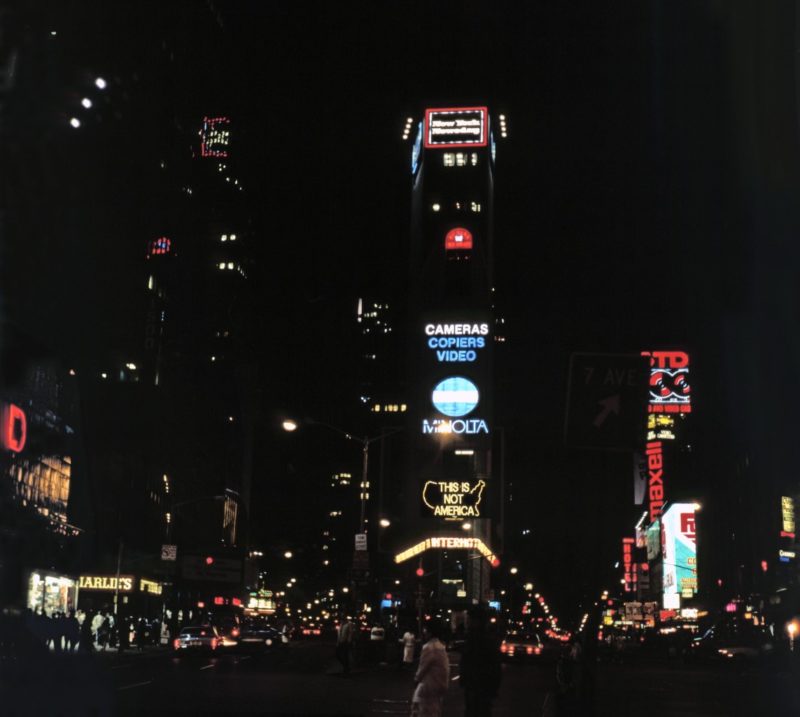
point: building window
(474, 207)
(449, 159)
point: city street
(308, 681)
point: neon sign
(13, 428)
(106, 582)
(214, 137)
(670, 391)
(787, 514)
(456, 343)
(453, 500)
(448, 543)
(470, 426)
(458, 239)
(627, 563)
(456, 127)
(655, 481)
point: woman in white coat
(433, 675)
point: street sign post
(606, 401)
(361, 541)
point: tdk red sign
(670, 391)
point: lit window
(474, 159)
(461, 159)
(233, 237)
(436, 206)
(449, 159)
(224, 237)
(222, 265)
(230, 265)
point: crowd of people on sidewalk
(88, 631)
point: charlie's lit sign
(670, 391)
(150, 586)
(13, 427)
(106, 582)
(445, 543)
(456, 127)
(453, 500)
(456, 342)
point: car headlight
(268, 641)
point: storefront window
(50, 593)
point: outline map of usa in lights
(455, 396)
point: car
(733, 639)
(521, 646)
(200, 638)
(377, 633)
(258, 636)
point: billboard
(453, 127)
(670, 391)
(679, 543)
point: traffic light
(209, 560)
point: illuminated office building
(451, 498)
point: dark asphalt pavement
(308, 681)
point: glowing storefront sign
(447, 543)
(13, 427)
(150, 586)
(458, 239)
(456, 127)
(469, 427)
(670, 391)
(627, 564)
(455, 396)
(106, 582)
(680, 549)
(453, 500)
(786, 555)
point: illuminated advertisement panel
(13, 427)
(456, 127)
(670, 391)
(453, 500)
(679, 542)
(456, 354)
(458, 239)
(787, 517)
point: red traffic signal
(209, 560)
(420, 572)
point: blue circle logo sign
(455, 396)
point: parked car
(202, 638)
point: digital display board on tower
(456, 127)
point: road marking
(207, 667)
(138, 684)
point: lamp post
(365, 441)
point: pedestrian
(345, 638)
(86, 643)
(481, 671)
(73, 632)
(433, 674)
(103, 632)
(141, 632)
(409, 641)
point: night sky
(623, 202)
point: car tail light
(504, 647)
(176, 643)
(235, 632)
(529, 649)
(538, 650)
(214, 643)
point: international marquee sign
(456, 127)
(453, 500)
(448, 543)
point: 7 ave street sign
(606, 401)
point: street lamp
(385, 522)
(291, 425)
